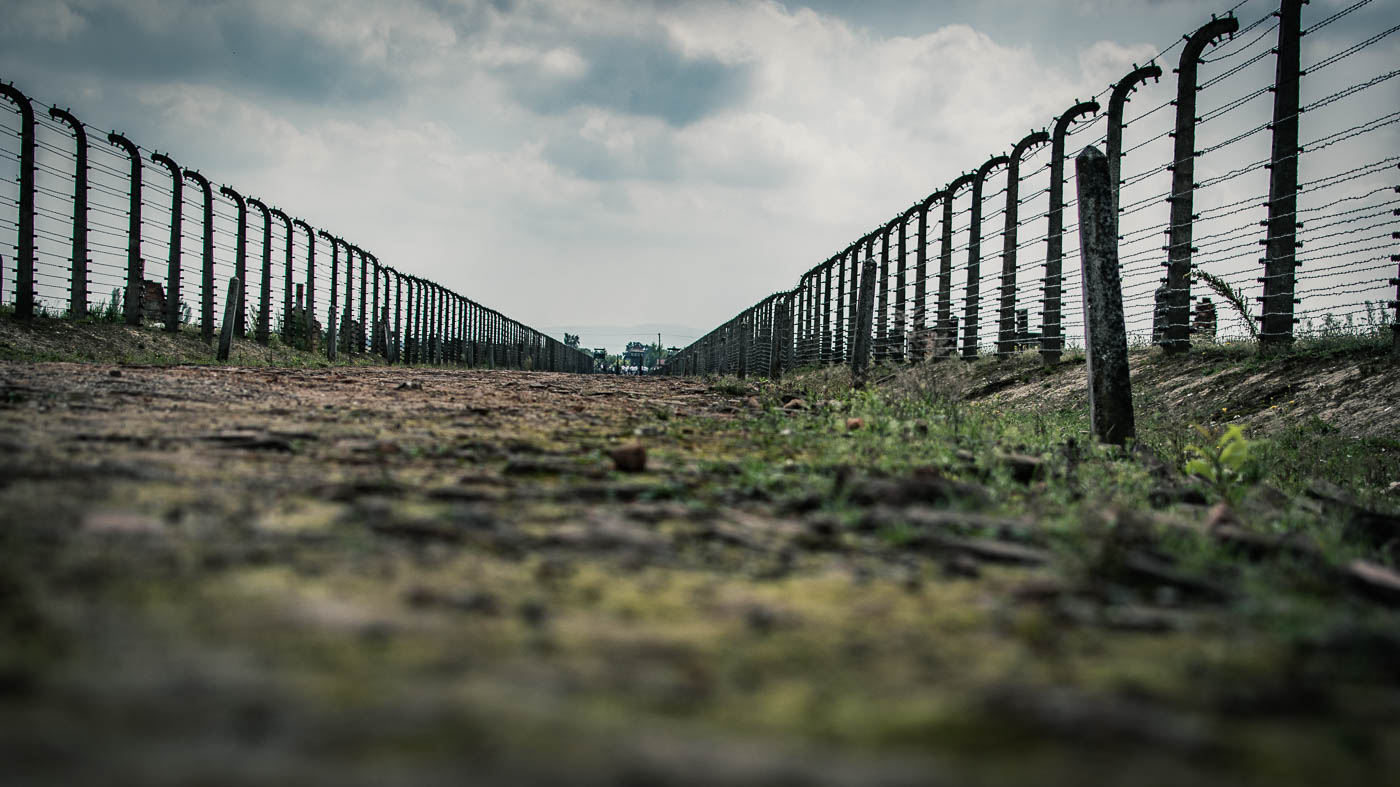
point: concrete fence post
(26, 257)
(973, 304)
(233, 304)
(177, 215)
(1280, 261)
(947, 344)
(262, 330)
(1052, 341)
(1176, 338)
(865, 313)
(1105, 337)
(77, 288)
(135, 267)
(206, 284)
(240, 257)
(1006, 318)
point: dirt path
(345, 576)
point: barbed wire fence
(1278, 134)
(103, 228)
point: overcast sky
(576, 162)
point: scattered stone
(1024, 469)
(534, 613)
(852, 424)
(410, 385)
(121, 523)
(115, 373)
(1374, 528)
(753, 404)
(964, 566)
(630, 458)
(925, 485)
(472, 601)
(921, 426)
(1040, 589)
(796, 404)
(1221, 515)
(1393, 489)
(1141, 568)
(251, 440)
(1374, 581)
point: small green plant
(1230, 295)
(1223, 460)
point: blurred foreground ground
(346, 576)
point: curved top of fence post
(1027, 142)
(1070, 115)
(13, 93)
(962, 180)
(193, 174)
(169, 163)
(66, 117)
(915, 208)
(309, 230)
(335, 242)
(125, 144)
(989, 165)
(934, 197)
(1208, 32)
(286, 220)
(257, 203)
(1123, 87)
(235, 196)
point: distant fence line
(88, 215)
(1212, 184)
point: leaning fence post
(233, 306)
(77, 291)
(1052, 331)
(135, 272)
(1176, 337)
(865, 313)
(1276, 321)
(920, 330)
(1105, 337)
(177, 212)
(881, 315)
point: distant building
(635, 354)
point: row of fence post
(429, 323)
(816, 325)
